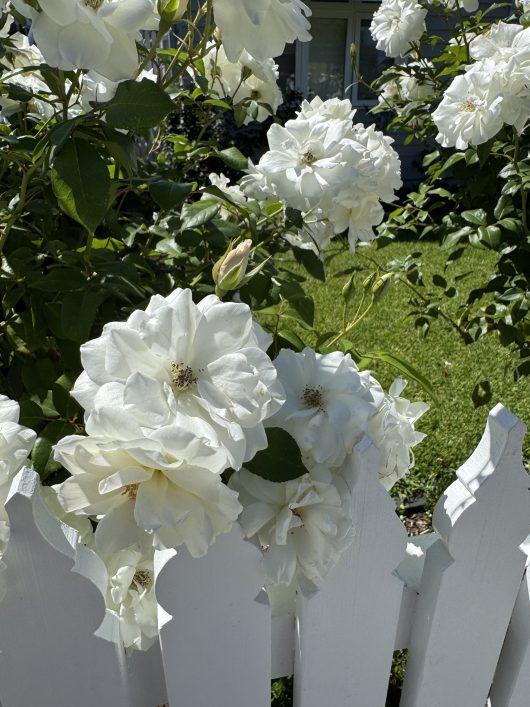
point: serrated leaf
(280, 461)
(233, 158)
(199, 213)
(169, 195)
(81, 183)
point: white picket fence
(460, 603)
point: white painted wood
(511, 686)
(217, 647)
(282, 654)
(472, 574)
(346, 630)
(49, 653)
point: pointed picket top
(48, 650)
(215, 625)
(472, 574)
(361, 596)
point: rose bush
(153, 404)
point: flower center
(468, 106)
(308, 158)
(182, 376)
(94, 4)
(130, 490)
(142, 578)
(312, 397)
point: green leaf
(311, 262)
(280, 461)
(169, 195)
(199, 213)
(291, 339)
(233, 158)
(58, 280)
(78, 312)
(475, 216)
(482, 393)
(138, 105)
(42, 455)
(403, 367)
(81, 183)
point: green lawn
(454, 427)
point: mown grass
(454, 426)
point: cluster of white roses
(334, 172)
(175, 396)
(494, 90)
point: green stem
(20, 206)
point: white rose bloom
(396, 24)
(409, 86)
(316, 234)
(81, 523)
(206, 362)
(331, 109)
(90, 34)
(470, 111)
(392, 431)
(16, 443)
(356, 212)
(307, 158)
(524, 5)
(262, 27)
(164, 489)
(131, 597)
(229, 79)
(329, 402)
(303, 525)
(383, 160)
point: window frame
(353, 11)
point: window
(323, 66)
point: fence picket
(217, 647)
(346, 630)
(472, 574)
(49, 653)
(511, 686)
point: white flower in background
(383, 161)
(524, 5)
(98, 89)
(356, 212)
(331, 109)
(233, 192)
(131, 597)
(470, 111)
(206, 362)
(302, 525)
(262, 27)
(90, 34)
(397, 23)
(246, 78)
(467, 5)
(329, 402)
(412, 85)
(164, 489)
(392, 431)
(16, 443)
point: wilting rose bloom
(303, 525)
(397, 23)
(328, 406)
(90, 34)
(470, 111)
(392, 431)
(246, 78)
(262, 27)
(16, 443)
(163, 490)
(177, 359)
(131, 597)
